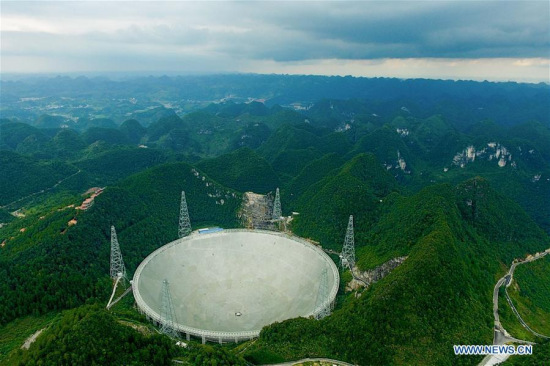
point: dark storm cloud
(230, 35)
(410, 29)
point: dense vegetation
(538, 292)
(356, 190)
(31, 175)
(90, 335)
(531, 297)
(450, 270)
(415, 147)
(112, 165)
(428, 176)
(540, 356)
(14, 334)
(243, 170)
(51, 266)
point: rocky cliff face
(365, 279)
(492, 152)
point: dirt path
(256, 211)
(31, 339)
(41, 191)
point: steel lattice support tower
(277, 213)
(347, 257)
(167, 315)
(322, 307)
(117, 264)
(184, 228)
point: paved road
(291, 363)
(507, 281)
(328, 360)
(501, 336)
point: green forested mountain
(133, 130)
(535, 133)
(218, 129)
(52, 266)
(290, 148)
(446, 184)
(540, 357)
(356, 190)
(66, 144)
(31, 175)
(531, 298)
(303, 136)
(47, 121)
(13, 134)
(109, 166)
(425, 305)
(390, 149)
(108, 135)
(310, 174)
(416, 150)
(91, 335)
(150, 98)
(243, 170)
(232, 109)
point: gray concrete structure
(227, 285)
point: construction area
(256, 212)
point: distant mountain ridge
(452, 176)
(416, 151)
(149, 98)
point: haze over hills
(85, 102)
(452, 177)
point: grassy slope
(509, 320)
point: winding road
(327, 360)
(501, 336)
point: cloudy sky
(492, 40)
